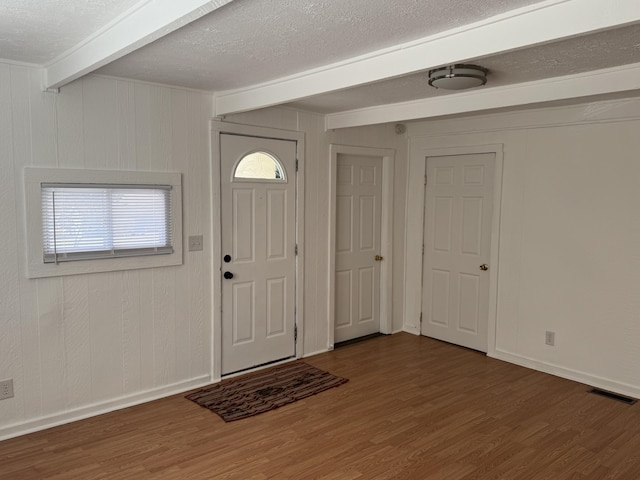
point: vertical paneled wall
(77, 344)
(76, 341)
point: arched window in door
(259, 166)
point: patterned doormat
(262, 391)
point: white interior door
(358, 234)
(457, 237)
(258, 199)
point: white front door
(258, 221)
(457, 237)
(358, 234)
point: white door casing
(258, 232)
(419, 149)
(457, 240)
(386, 242)
(358, 238)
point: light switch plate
(195, 243)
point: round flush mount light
(458, 77)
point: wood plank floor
(414, 408)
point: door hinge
(296, 249)
(420, 318)
(425, 179)
(296, 164)
(423, 248)
(295, 332)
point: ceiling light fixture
(458, 77)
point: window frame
(34, 177)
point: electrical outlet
(195, 243)
(6, 389)
(550, 338)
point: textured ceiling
(577, 55)
(247, 42)
(37, 31)
(252, 41)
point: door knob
(484, 267)
(378, 258)
(228, 275)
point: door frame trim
(414, 238)
(219, 127)
(386, 240)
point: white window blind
(91, 221)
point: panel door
(258, 189)
(458, 209)
(358, 235)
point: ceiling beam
(147, 21)
(598, 82)
(548, 21)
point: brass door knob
(484, 267)
(378, 258)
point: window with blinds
(93, 221)
(77, 218)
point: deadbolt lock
(484, 267)
(378, 258)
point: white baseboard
(569, 374)
(42, 423)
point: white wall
(80, 344)
(569, 246)
(317, 206)
(77, 345)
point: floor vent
(613, 396)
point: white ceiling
(606, 49)
(253, 41)
(328, 56)
(38, 31)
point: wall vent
(613, 396)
